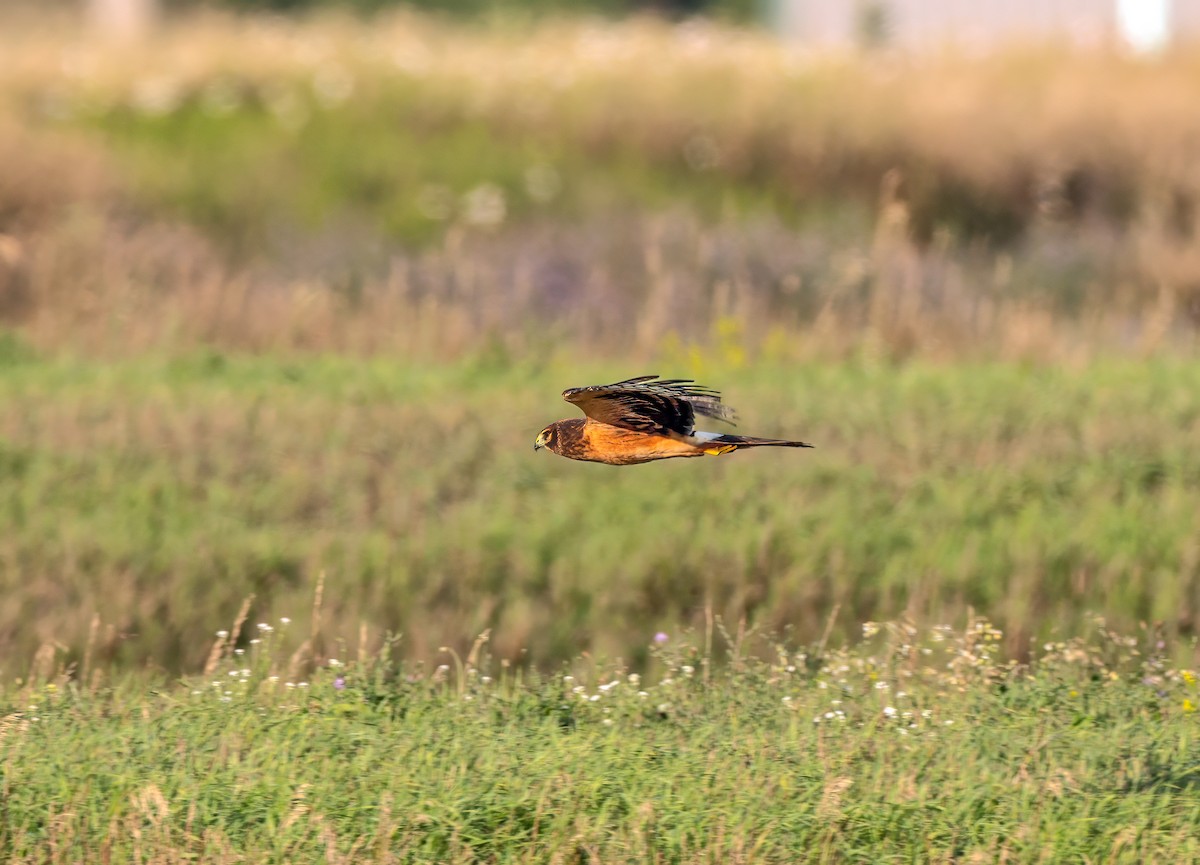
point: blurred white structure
(122, 20)
(1141, 24)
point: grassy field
(292, 310)
(915, 746)
(284, 303)
(135, 490)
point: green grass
(167, 467)
(158, 493)
(913, 747)
(387, 163)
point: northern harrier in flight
(643, 419)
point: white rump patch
(699, 437)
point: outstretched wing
(650, 405)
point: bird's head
(547, 438)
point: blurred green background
(286, 300)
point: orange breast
(616, 446)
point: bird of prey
(643, 419)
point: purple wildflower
(661, 637)
(339, 683)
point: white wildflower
(485, 205)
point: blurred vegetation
(734, 10)
(136, 490)
(291, 297)
(912, 745)
(948, 203)
(283, 303)
(381, 166)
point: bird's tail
(723, 444)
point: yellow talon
(721, 449)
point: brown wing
(650, 405)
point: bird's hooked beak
(539, 442)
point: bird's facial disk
(545, 439)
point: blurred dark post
(122, 20)
(873, 24)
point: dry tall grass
(978, 164)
